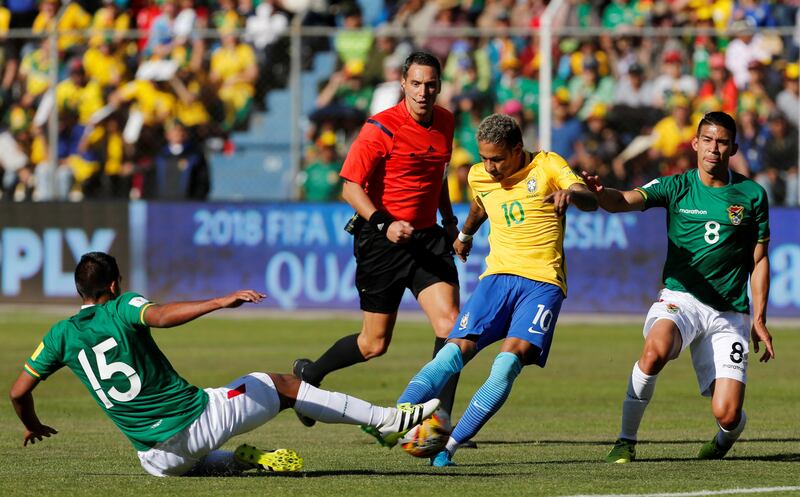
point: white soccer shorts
(242, 405)
(719, 341)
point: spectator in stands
(674, 130)
(234, 71)
(720, 85)
(752, 138)
(633, 90)
(672, 80)
(353, 42)
(161, 32)
(104, 64)
(386, 46)
(589, 88)
(780, 161)
(513, 86)
(345, 98)
(226, 17)
(567, 129)
(457, 174)
(72, 20)
(265, 28)
(320, 179)
(439, 45)
(788, 100)
(388, 92)
(110, 20)
(622, 13)
(743, 49)
(598, 144)
(34, 74)
(180, 166)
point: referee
(394, 177)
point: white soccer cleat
(406, 417)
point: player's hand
(37, 434)
(560, 200)
(239, 297)
(400, 232)
(462, 249)
(592, 182)
(760, 333)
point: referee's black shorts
(385, 269)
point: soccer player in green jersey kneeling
(177, 427)
(718, 231)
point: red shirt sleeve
(369, 149)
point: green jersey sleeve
(131, 307)
(657, 192)
(47, 358)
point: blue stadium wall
(302, 258)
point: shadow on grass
(611, 442)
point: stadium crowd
(137, 115)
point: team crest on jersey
(464, 322)
(672, 308)
(735, 214)
(531, 185)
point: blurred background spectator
(137, 110)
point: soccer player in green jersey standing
(718, 231)
(175, 426)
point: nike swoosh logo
(535, 332)
(483, 194)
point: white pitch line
(700, 493)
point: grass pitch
(548, 440)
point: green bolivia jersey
(712, 233)
(111, 350)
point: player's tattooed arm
(22, 399)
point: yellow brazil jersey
(5, 20)
(526, 237)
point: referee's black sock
(448, 393)
(343, 353)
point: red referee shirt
(402, 163)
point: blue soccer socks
(489, 397)
(427, 383)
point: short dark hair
(500, 129)
(718, 118)
(422, 59)
(94, 273)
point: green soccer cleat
(281, 460)
(623, 452)
(712, 450)
(406, 417)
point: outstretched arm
(576, 194)
(463, 244)
(22, 399)
(613, 200)
(759, 286)
(178, 313)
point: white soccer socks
(726, 438)
(335, 407)
(640, 390)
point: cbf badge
(736, 214)
(531, 185)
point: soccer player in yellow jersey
(525, 198)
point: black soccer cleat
(297, 370)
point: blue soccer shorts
(506, 305)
